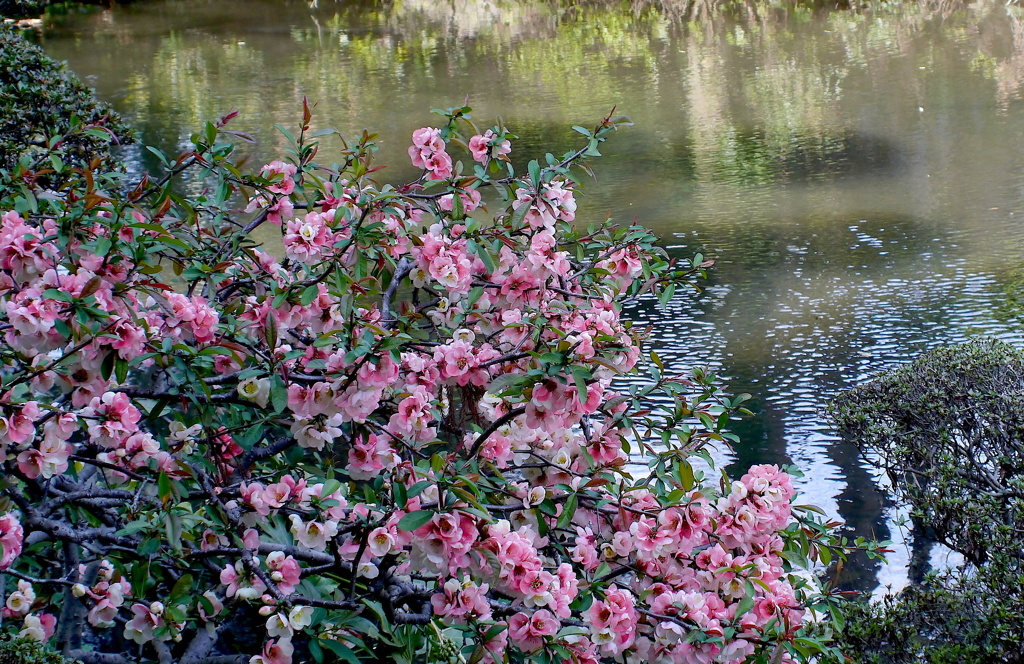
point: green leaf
(147, 548)
(181, 587)
(686, 479)
(581, 375)
(747, 603)
(107, 366)
(505, 382)
(568, 510)
(308, 295)
(315, 650)
(401, 497)
(418, 488)
(278, 394)
(341, 650)
(520, 214)
(271, 330)
(534, 170)
(103, 245)
(54, 294)
(132, 528)
(173, 527)
(164, 488)
(415, 520)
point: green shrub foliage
(39, 98)
(948, 429)
(27, 651)
(949, 619)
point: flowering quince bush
(398, 436)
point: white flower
(535, 496)
(20, 601)
(381, 542)
(279, 627)
(308, 232)
(419, 277)
(255, 389)
(300, 617)
(462, 334)
(367, 570)
(33, 629)
(313, 535)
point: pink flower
(613, 620)
(308, 240)
(109, 597)
(427, 152)
(49, 460)
(285, 571)
(555, 203)
(274, 652)
(11, 535)
(485, 145)
(282, 176)
(528, 632)
(241, 583)
(414, 414)
(142, 626)
(470, 200)
(445, 541)
(461, 601)
(370, 456)
(200, 318)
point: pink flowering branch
(410, 417)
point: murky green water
(859, 177)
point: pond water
(857, 176)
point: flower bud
(157, 608)
(79, 590)
(267, 610)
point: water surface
(857, 176)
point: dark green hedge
(949, 619)
(948, 429)
(38, 99)
(22, 8)
(25, 651)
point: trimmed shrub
(40, 98)
(20, 650)
(948, 429)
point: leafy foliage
(948, 429)
(948, 619)
(22, 8)
(40, 98)
(28, 651)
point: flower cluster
(411, 416)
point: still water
(857, 176)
